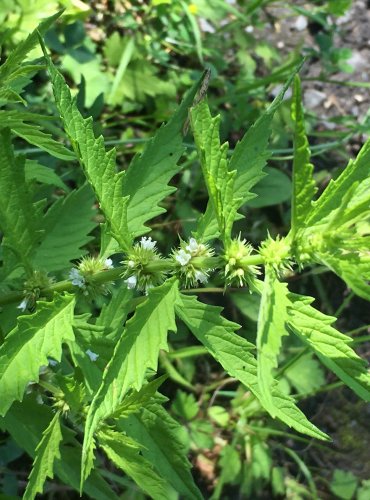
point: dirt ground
(329, 99)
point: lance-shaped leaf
(66, 227)
(146, 180)
(27, 433)
(136, 401)
(32, 133)
(19, 218)
(331, 346)
(213, 159)
(233, 352)
(46, 453)
(356, 171)
(100, 338)
(270, 329)
(37, 172)
(248, 160)
(160, 437)
(352, 267)
(28, 346)
(303, 183)
(99, 166)
(125, 454)
(250, 154)
(136, 351)
(10, 70)
(358, 208)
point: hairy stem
(166, 265)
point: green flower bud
(277, 253)
(236, 272)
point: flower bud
(236, 272)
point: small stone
(301, 23)
(313, 98)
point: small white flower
(183, 257)
(23, 305)
(76, 277)
(39, 399)
(52, 362)
(200, 276)
(193, 245)
(131, 263)
(131, 282)
(92, 355)
(108, 264)
(147, 243)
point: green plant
(90, 357)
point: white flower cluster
(184, 255)
(148, 243)
(193, 249)
(131, 282)
(108, 264)
(143, 252)
(76, 278)
(88, 266)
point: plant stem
(168, 265)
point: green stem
(168, 265)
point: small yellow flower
(193, 9)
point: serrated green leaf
(113, 314)
(250, 154)
(248, 160)
(270, 330)
(66, 227)
(35, 171)
(303, 183)
(12, 64)
(46, 453)
(306, 375)
(146, 180)
(160, 436)
(18, 216)
(274, 188)
(207, 227)
(125, 454)
(33, 134)
(8, 95)
(27, 433)
(27, 347)
(136, 351)
(331, 346)
(352, 267)
(100, 338)
(88, 341)
(233, 352)
(213, 159)
(99, 166)
(354, 207)
(137, 400)
(356, 171)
